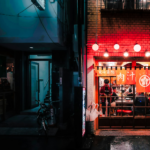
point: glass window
(125, 4)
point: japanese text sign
(140, 77)
(108, 72)
(121, 76)
(130, 78)
(140, 80)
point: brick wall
(125, 27)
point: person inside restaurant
(114, 95)
(105, 90)
(129, 92)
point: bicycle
(43, 116)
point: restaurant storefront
(122, 102)
(117, 50)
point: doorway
(40, 79)
(34, 84)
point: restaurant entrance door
(117, 109)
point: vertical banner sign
(141, 80)
(147, 80)
(121, 76)
(130, 77)
(83, 111)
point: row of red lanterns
(126, 54)
(136, 48)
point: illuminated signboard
(40, 4)
(83, 111)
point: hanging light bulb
(116, 46)
(147, 54)
(106, 53)
(137, 47)
(126, 54)
(95, 47)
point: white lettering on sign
(144, 81)
(120, 76)
(108, 71)
(102, 71)
(132, 74)
(112, 72)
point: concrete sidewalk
(27, 125)
(123, 132)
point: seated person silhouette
(114, 98)
(105, 90)
(114, 95)
(129, 92)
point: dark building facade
(40, 56)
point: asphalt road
(121, 143)
(34, 143)
(66, 143)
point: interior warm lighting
(95, 47)
(106, 54)
(126, 54)
(137, 47)
(147, 54)
(111, 63)
(127, 111)
(116, 46)
(124, 111)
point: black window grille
(125, 4)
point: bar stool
(119, 111)
(127, 112)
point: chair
(140, 101)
